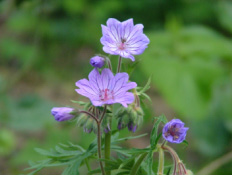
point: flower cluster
(105, 89)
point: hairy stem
(119, 64)
(215, 164)
(107, 150)
(98, 134)
(99, 146)
(174, 156)
(108, 63)
(99, 138)
(136, 166)
(161, 162)
(90, 114)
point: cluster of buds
(132, 116)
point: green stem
(99, 146)
(119, 64)
(99, 138)
(136, 166)
(161, 162)
(107, 150)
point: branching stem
(98, 134)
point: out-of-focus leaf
(29, 113)
(7, 142)
(224, 14)
(185, 67)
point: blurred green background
(45, 47)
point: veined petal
(93, 79)
(123, 38)
(127, 27)
(114, 28)
(84, 85)
(125, 54)
(137, 30)
(105, 88)
(106, 76)
(128, 98)
(120, 80)
(125, 88)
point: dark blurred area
(45, 47)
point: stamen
(106, 95)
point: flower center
(122, 44)
(106, 95)
(174, 132)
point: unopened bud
(63, 113)
(97, 61)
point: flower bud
(130, 117)
(132, 127)
(90, 125)
(63, 113)
(97, 61)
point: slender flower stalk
(107, 145)
(91, 115)
(119, 64)
(107, 150)
(161, 162)
(99, 147)
(108, 63)
(98, 121)
(177, 162)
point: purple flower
(62, 113)
(174, 131)
(97, 61)
(123, 38)
(105, 88)
(132, 127)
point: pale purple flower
(97, 61)
(105, 88)
(123, 38)
(62, 113)
(174, 131)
